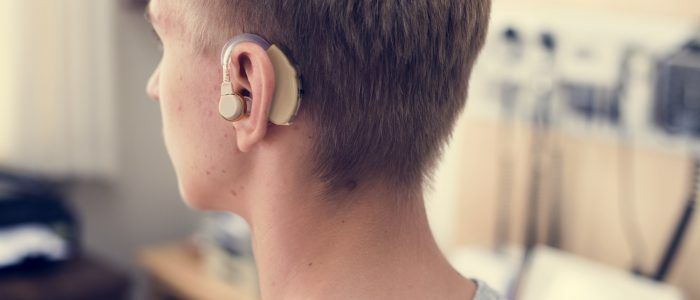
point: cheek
(201, 144)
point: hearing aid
(288, 89)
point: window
(56, 87)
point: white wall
(57, 93)
(142, 205)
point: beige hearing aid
(288, 91)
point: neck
(370, 243)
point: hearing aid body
(288, 91)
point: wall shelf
(673, 8)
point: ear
(253, 76)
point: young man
(334, 201)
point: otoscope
(509, 92)
(541, 120)
(544, 89)
(679, 102)
(682, 226)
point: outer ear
(254, 76)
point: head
(384, 83)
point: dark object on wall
(509, 94)
(677, 110)
(36, 225)
(677, 107)
(543, 123)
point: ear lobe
(254, 73)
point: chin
(193, 196)
(201, 196)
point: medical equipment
(288, 87)
(678, 111)
(36, 227)
(545, 88)
(510, 92)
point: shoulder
(484, 292)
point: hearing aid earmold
(288, 91)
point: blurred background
(572, 174)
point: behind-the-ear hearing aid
(288, 91)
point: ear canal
(288, 86)
(232, 107)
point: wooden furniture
(671, 8)
(176, 272)
(79, 279)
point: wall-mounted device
(677, 107)
(288, 87)
(621, 78)
(677, 110)
(605, 71)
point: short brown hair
(384, 80)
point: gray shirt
(484, 292)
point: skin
(358, 245)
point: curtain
(57, 109)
